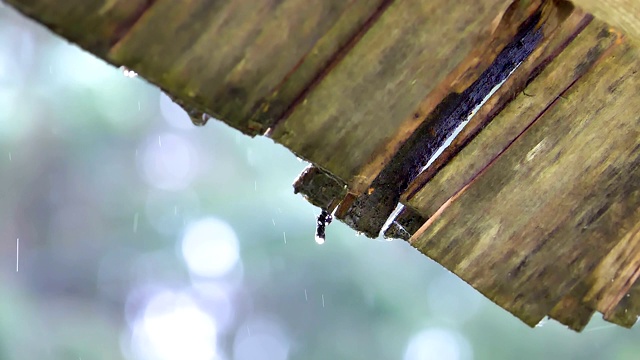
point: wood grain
(623, 14)
(435, 188)
(618, 271)
(562, 23)
(238, 58)
(571, 310)
(360, 114)
(549, 209)
(628, 309)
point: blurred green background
(128, 233)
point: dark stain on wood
(370, 211)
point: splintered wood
(535, 202)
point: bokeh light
(169, 161)
(438, 344)
(210, 247)
(174, 327)
(261, 338)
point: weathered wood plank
(548, 210)
(606, 289)
(107, 20)
(371, 210)
(623, 14)
(359, 115)
(439, 183)
(615, 275)
(239, 58)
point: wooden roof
(536, 203)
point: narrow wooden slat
(605, 287)
(433, 189)
(548, 210)
(239, 58)
(571, 309)
(627, 311)
(93, 24)
(359, 115)
(615, 275)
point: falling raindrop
(17, 254)
(284, 234)
(135, 222)
(324, 219)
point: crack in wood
(371, 209)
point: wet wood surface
(436, 187)
(400, 51)
(551, 207)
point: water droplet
(323, 220)
(128, 73)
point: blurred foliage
(102, 181)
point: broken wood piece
(505, 122)
(547, 211)
(357, 117)
(371, 209)
(319, 188)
